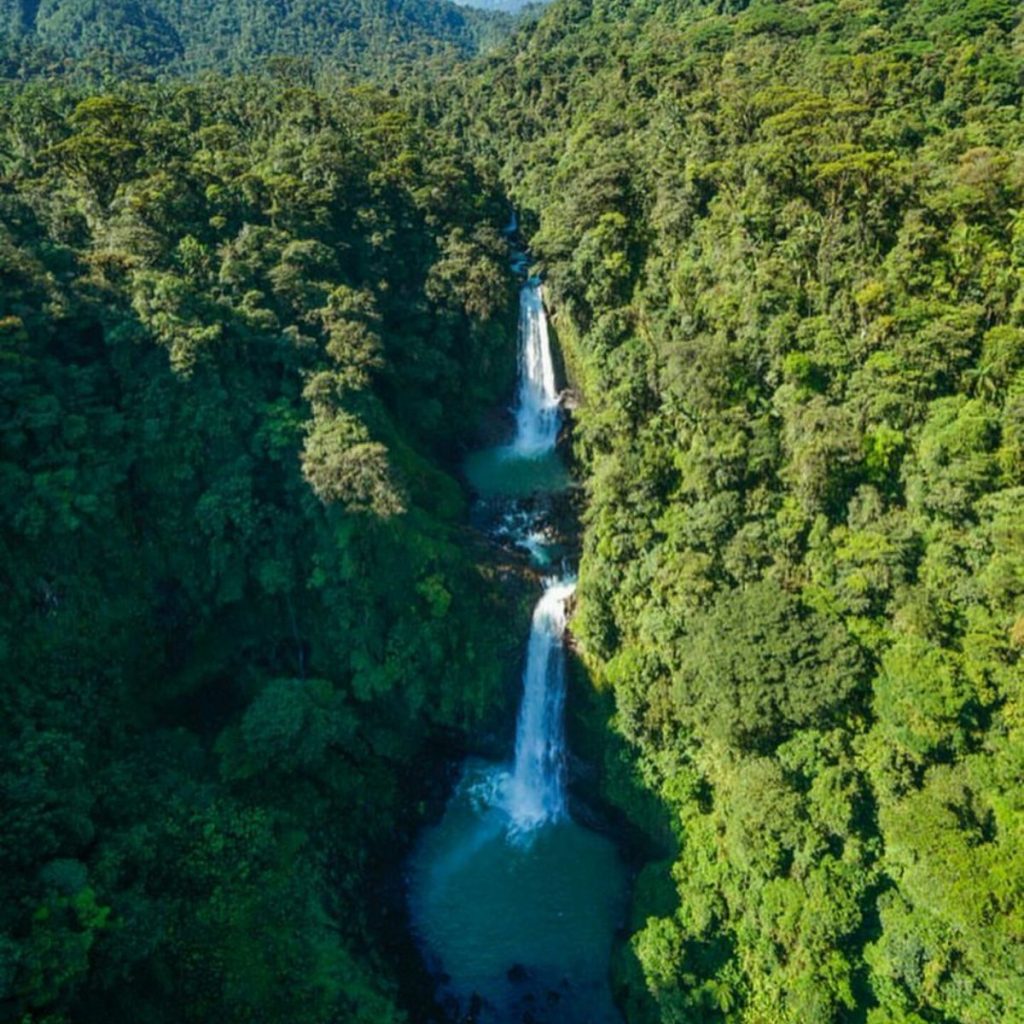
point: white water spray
(536, 789)
(537, 414)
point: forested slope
(242, 324)
(785, 247)
(375, 37)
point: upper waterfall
(537, 413)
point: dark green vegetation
(379, 37)
(786, 250)
(241, 325)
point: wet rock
(569, 398)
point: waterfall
(537, 413)
(536, 791)
(516, 902)
(536, 788)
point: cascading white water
(536, 789)
(537, 413)
(518, 903)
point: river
(516, 904)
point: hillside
(367, 36)
(253, 322)
(238, 603)
(783, 244)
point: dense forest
(241, 324)
(380, 38)
(785, 247)
(248, 323)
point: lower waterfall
(536, 791)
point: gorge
(515, 902)
(298, 694)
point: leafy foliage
(364, 36)
(245, 322)
(783, 246)
(237, 606)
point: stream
(514, 903)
